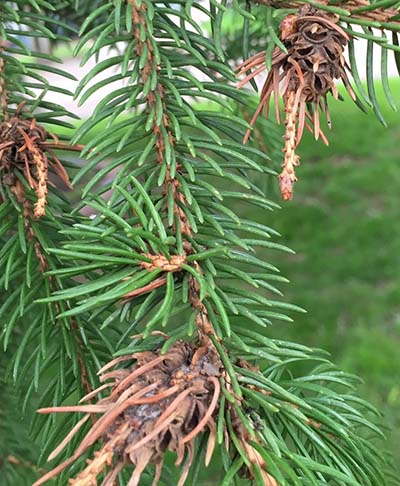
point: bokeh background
(343, 224)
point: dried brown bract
(173, 264)
(162, 403)
(24, 149)
(303, 77)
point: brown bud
(288, 26)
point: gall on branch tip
(161, 403)
(25, 149)
(303, 77)
(164, 402)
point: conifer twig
(152, 68)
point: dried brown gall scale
(303, 77)
(163, 402)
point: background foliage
(345, 271)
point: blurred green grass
(344, 225)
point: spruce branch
(165, 249)
(171, 183)
(166, 256)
